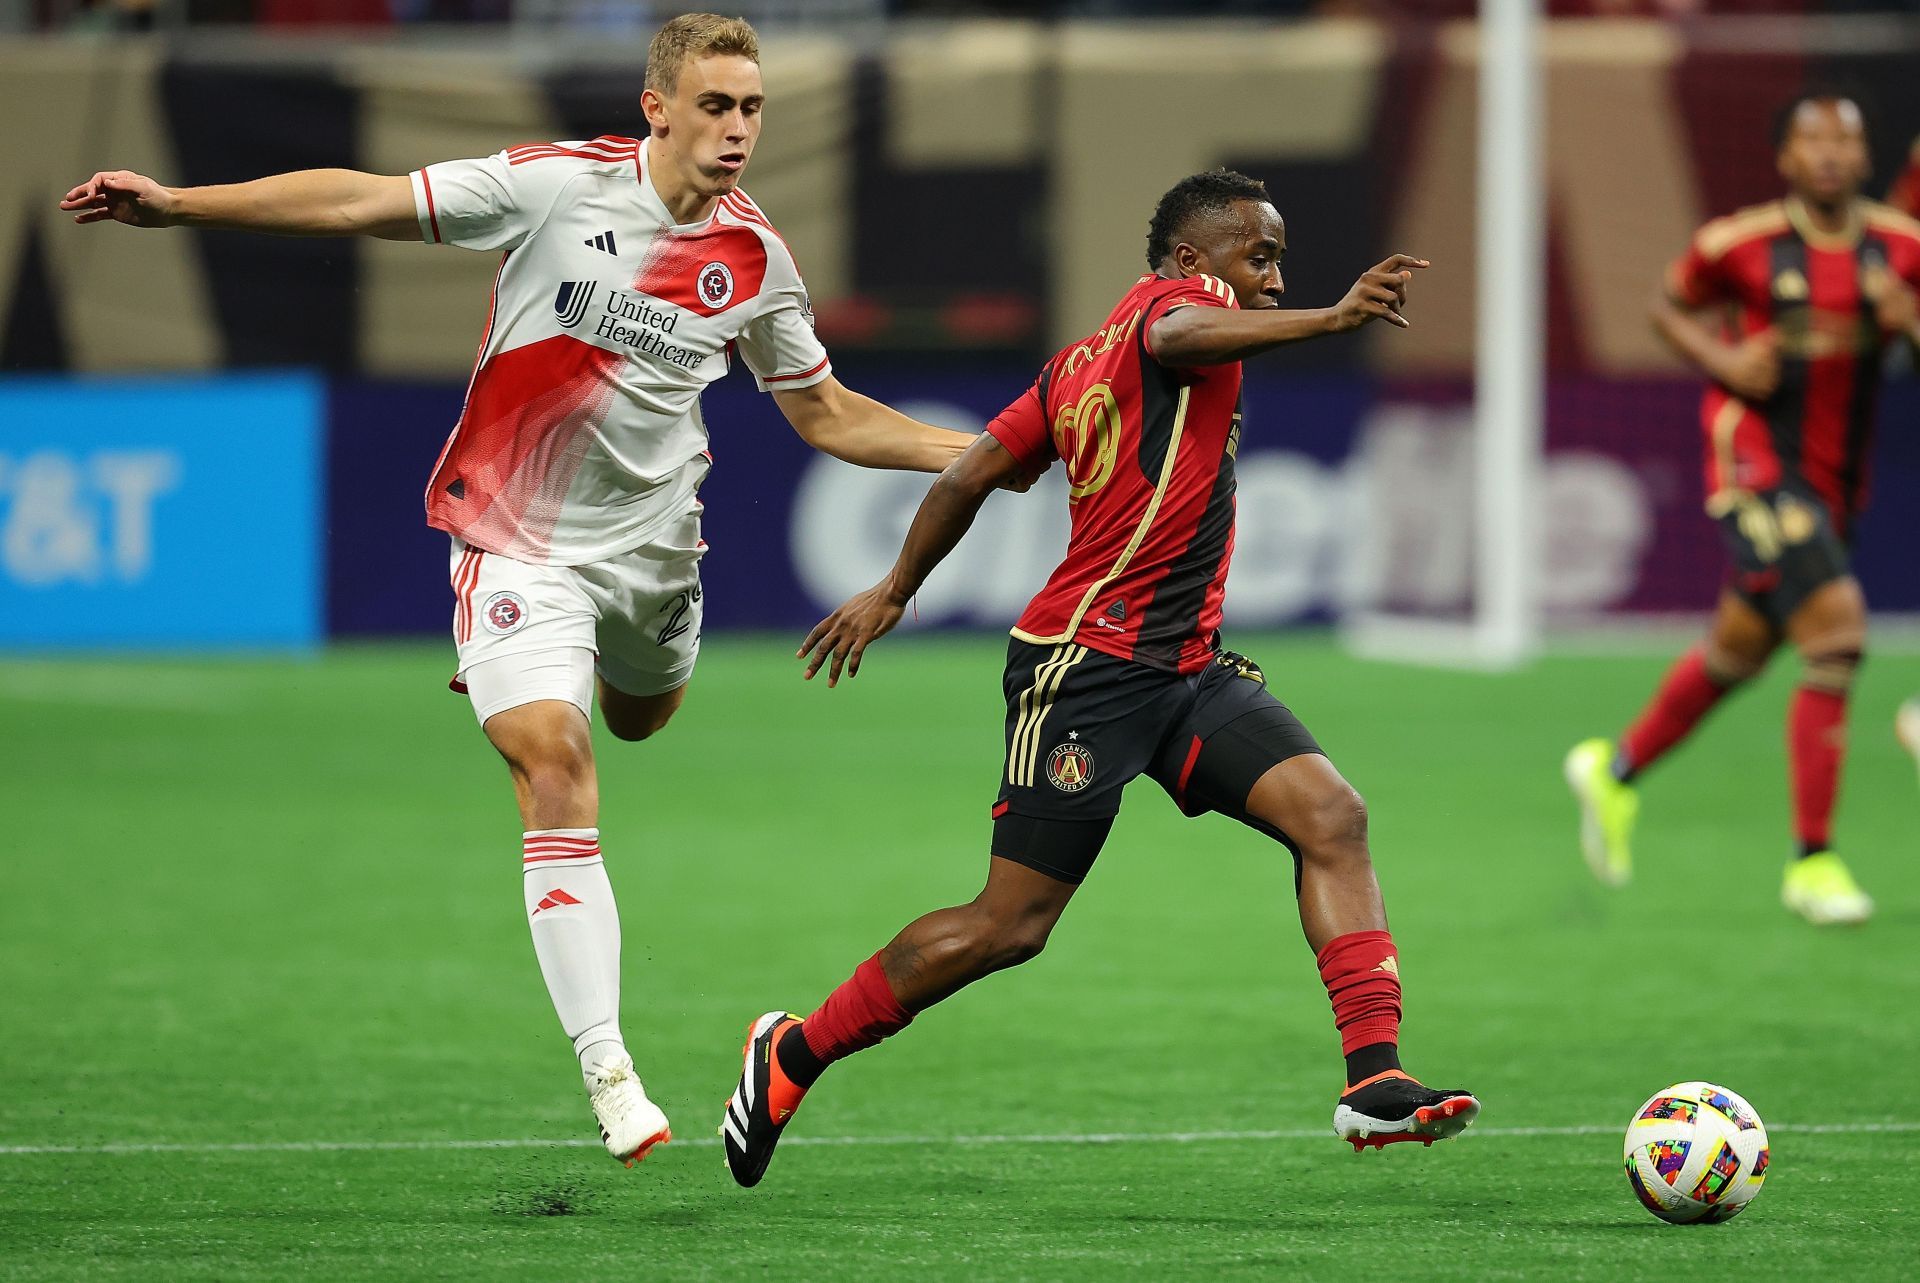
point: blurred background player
(630, 271)
(1116, 670)
(1806, 292)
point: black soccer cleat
(760, 1106)
(1392, 1107)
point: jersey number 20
(1087, 435)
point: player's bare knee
(1832, 667)
(1021, 941)
(555, 778)
(1334, 829)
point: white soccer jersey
(582, 436)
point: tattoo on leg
(901, 962)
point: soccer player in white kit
(631, 272)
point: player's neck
(684, 203)
(1828, 217)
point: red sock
(1361, 970)
(856, 1015)
(1816, 744)
(1685, 696)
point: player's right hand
(1751, 369)
(845, 635)
(124, 197)
(1378, 294)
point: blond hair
(696, 35)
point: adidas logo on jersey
(603, 241)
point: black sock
(1622, 770)
(1808, 848)
(797, 1060)
(1362, 1063)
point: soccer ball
(1696, 1152)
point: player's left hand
(1378, 294)
(845, 635)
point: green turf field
(264, 971)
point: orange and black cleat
(760, 1106)
(1391, 1107)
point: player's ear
(654, 108)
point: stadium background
(269, 1009)
(962, 197)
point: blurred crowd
(641, 16)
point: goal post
(1502, 625)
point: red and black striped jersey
(1149, 453)
(1772, 269)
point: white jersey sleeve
(779, 344)
(491, 203)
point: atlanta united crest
(503, 613)
(716, 285)
(1070, 768)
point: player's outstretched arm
(836, 420)
(1194, 336)
(1749, 369)
(308, 202)
(945, 515)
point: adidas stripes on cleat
(1392, 1107)
(760, 1106)
(630, 1124)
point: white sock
(576, 936)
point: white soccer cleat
(630, 1124)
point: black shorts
(1081, 725)
(1784, 544)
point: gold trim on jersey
(1023, 746)
(1725, 424)
(1846, 238)
(1139, 534)
(1722, 234)
(1886, 218)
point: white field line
(1041, 1138)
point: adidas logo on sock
(552, 900)
(603, 241)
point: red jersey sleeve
(1697, 278)
(1191, 291)
(1022, 426)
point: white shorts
(638, 613)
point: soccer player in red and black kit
(1116, 670)
(1809, 291)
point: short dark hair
(1196, 196)
(1784, 118)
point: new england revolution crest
(715, 283)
